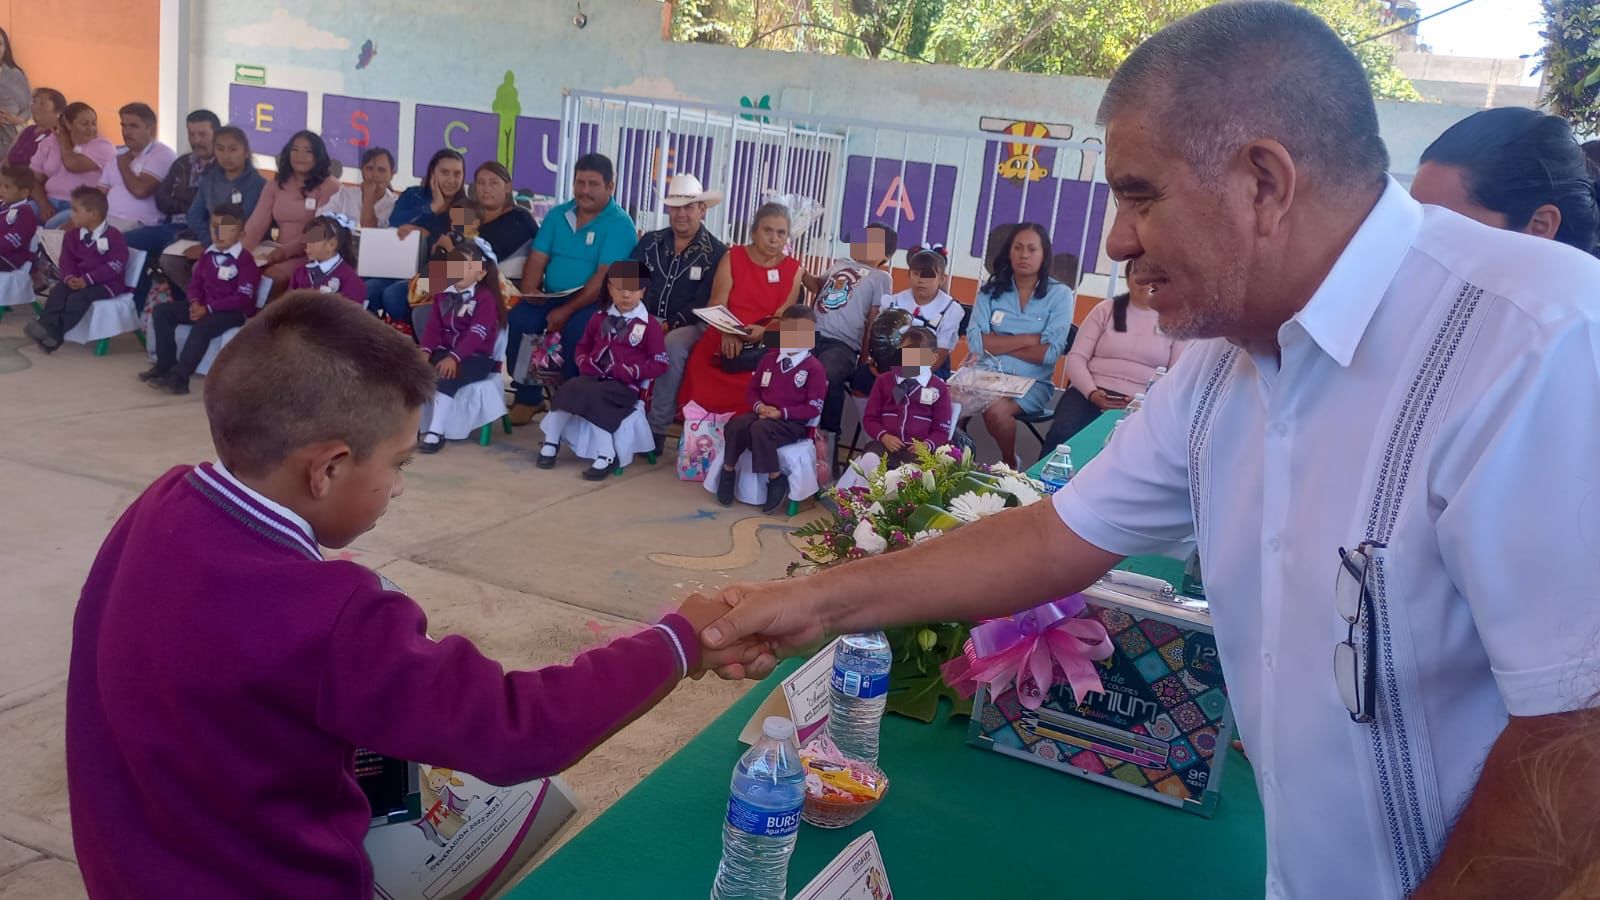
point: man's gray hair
(1241, 71)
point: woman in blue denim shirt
(1020, 326)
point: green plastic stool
(102, 347)
(488, 429)
(648, 457)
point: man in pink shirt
(71, 158)
(131, 180)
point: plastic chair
(16, 288)
(869, 462)
(181, 334)
(797, 462)
(475, 407)
(632, 438)
(113, 316)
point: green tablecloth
(957, 822)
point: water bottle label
(859, 684)
(762, 822)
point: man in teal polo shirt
(577, 243)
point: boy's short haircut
(918, 337)
(21, 176)
(304, 371)
(797, 311)
(234, 211)
(141, 111)
(92, 199)
(891, 238)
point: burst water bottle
(769, 787)
(1057, 470)
(860, 690)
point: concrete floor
(480, 539)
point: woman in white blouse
(369, 203)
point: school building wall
(103, 52)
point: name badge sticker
(311, 203)
(997, 317)
(588, 239)
(927, 396)
(236, 197)
(696, 273)
(772, 276)
(766, 378)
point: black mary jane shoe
(598, 472)
(432, 442)
(547, 462)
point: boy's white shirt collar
(638, 313)
(924, 376)
(327, 265)
(794, 356)
(97, 234)
(455, 288)
(234, 251)
(269, 503)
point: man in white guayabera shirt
(1387, 454)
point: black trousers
(164, 321)
(762, 437)
(1074, 412)
(846, 373)
(65, 307)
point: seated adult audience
(756, 282)
(142, 163)
(14, 95)
(566, 268)
(231, 179)
(1116, 353)
(173, 197)
(425, 208)
(1020, 326)
(508, 228)
(370, 203)
(1517, 169)
(681, 264)
(289, 201)
(47, 106)
(71, 158)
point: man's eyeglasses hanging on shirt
(1352, 662)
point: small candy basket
(839, 791)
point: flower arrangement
(897, 508)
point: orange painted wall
(103, 52)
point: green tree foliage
(1054, 37)
(1572, 62)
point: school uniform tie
(786, 364)
(904, 390)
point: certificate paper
(719, 318)
(855, 874)
(803, 698)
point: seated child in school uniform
(94, 266)
(222, 294)
(330, 266)
(223, 673)
(458, 339)
(18, 221)
(910, 406)
(786, 392)
(618, 355)
(928, 303)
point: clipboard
(384, 254)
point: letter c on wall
(448, 129)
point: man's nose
(1122, 244)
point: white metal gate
(938, 185)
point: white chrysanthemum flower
(947, 454)
(868, 540)
(972, 506)
(1019, 488)
(928, 535)
(1002, 470)
(930, 482)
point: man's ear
(1545, 223)
(1273, 178)
(324, 464)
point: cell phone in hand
(1114, 395)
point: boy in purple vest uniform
(94, 266)
(786, 392)
(910, 405)
(18, 222)
(223, 673)
(222, 294)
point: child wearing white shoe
(460, 334)
(619, 355)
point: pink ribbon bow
(1027, 649)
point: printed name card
(855, 874)
(803, 698)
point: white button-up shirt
(1483, 345)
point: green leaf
(917, 698)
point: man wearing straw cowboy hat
(681, 261)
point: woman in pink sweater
(1117, 351)
(291, 200)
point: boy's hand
(768, 412)
(891, 443)
(701, 611)
(76, 283)
(197, 311)
(446, 367)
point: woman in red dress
(756, 282)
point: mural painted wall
(486, 78)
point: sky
(1500, 28)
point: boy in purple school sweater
(909, 405)
(94, 266)
(18, 222)
(222, 294)
(786, 392)
(223, 673)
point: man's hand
(77, 283)
(891, 443)
(557, 319)
(701, 611)
(371, 192)
(446, 367)
(197, 311)
(781, 618)
(193, 253)
(731, 346)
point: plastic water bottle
(769, 787)
(1057, 470)
(860, 690)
